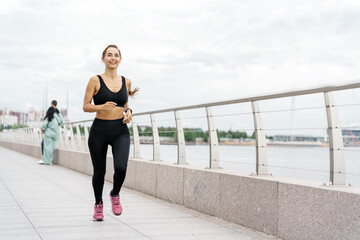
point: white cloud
(177, 52)
(8, 6)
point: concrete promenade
(52, 202)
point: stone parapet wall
(287, 208)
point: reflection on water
(309, 163)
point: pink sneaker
(98, 212)
(116, 205)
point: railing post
(39, 135)
(86, 131)
(181, 160)
(336, 145)
(156, 139)
(67, 135)
(27, 140)
(136, 139)
(260, 139)
(33, 135)
(78, 138)
(213, 140)
(72, 140)
(28, 134)
(63, 133)
(22, 136)
(16, 136)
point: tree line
(191, 134)
(14, 126)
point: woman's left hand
(127, 118)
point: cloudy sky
(177, 52)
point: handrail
(258, 98)
(69, 140)
(247, 99)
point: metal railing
(72, 139)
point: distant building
(297, 138)
(199, 139)
(143, 127)
(351, 136)
(233, 140)
(64, 113)
(40, 116)
(32, 115)
(21, 117)
(31, 118)
(7, 119)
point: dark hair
(50, 114)
(109, 46)
(131, 92)
(54, 102)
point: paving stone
(53, 202)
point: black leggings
(103, 133)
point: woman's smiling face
(112, 58)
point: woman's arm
(89, 93)
(61, 120)
(44, 125)
(128, 114)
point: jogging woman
(110, 92)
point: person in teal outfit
(50, 127)
(53, 104)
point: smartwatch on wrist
(127, 110)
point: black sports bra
(105, 94)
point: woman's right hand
(108, 106)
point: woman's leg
(48, 150)
(54, 143)
(98, 150)
(120, 149)
(42, 146)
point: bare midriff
(116, 113)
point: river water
(308, 163)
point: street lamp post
(67, 100)
(46, 96)
(67, 95)
(57, 81)
(46, 91)
(43, 97)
